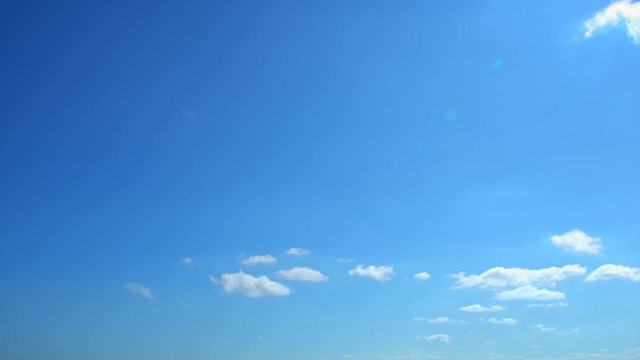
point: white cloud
(437, 338)
(259, 260)
(529, 292)
(298, 252)
(548, 305)
(611, 271)
(302, 274)
(576, 241)
(622, 10)
(500, 277)
(543, 328)
(503, 321)
(187, 261)
(422, 276)
(378, 273)
(440, 320)
(477, 308)
(251, 286)
(139, 289)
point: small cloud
(139, 289)
(250, 286)
(187, 261)
(422, 276)
(503, 321)
(302, 274)
(298, 252)
(477, 308)
(259, 260)
(542, 328)
(183, 303)
(611, 271)
(529, 292)
(345, 260)
(577, 241)
(348, 357)
(614, 13)
(440, 320)
(444, 338)
(549, 305)
(378, 273)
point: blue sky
(320, 180)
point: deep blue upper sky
(441, 136)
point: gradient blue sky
(439, 136)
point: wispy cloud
(444, 338)
(616, 12)
(548, 305)
(140, 290)
(302, 274)
(529, 292)
(542, 328)
(577, 241)
(378, 273)
(503, 321)
(611, 271)
(259, 260)
(298, 252)
(477, 308)
(183, 303)
(439, 320)
(248, 285)
(187, 261)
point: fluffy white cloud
(438, 338)
(422, 276)
(548, 305)
(529, 292)
(302, 274)
(611, 271)
(500, 277)
(577, 241)
(503, 321)
(543, 328)
(298, 252)
(477, 308)
(259, 260)
(622, 10)
(378, 273)
(251, 286)
(187, 261)
(139, 289)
